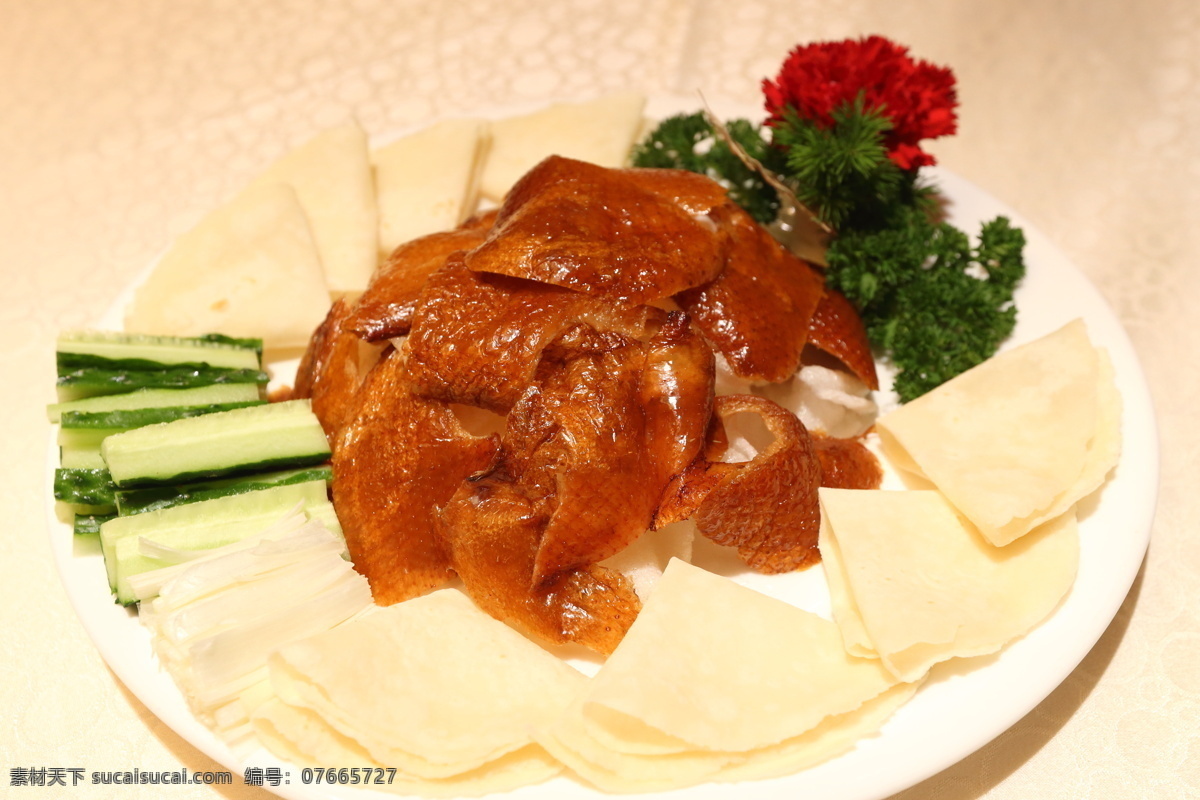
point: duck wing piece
(397, 458)
(595, 230)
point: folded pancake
(716, 681)
(385, 309)
(303, 737)
(1020, 438)
(599, 131)
(332, 177)
(758, 311)
(433, 687)
(398, 456)
(428, 181)
(591, 229)
(915, 583)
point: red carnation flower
(916, 96)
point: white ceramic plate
(963, 705)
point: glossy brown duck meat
(838, 330)
(582, 466)
(696, 194)
(757, 312)
(397, 457)
(847, 464)
(766, 507)
(595, 230)
(385, 309)
(332, 369)
(477, 337)
(492, 530)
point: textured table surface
(124, 121)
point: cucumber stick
(112, 350)
(84, 487)
(84, 382)
(252, 439)
(212, 395)
(81, 458)
(123, 420)
(130, 560)
(139, 501)
(219, 521)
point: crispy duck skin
(385, 309)
(838, 330)
(613, 421)
(766, 507)
(331, 370)
(398, 457)
(847, 464)
(696, 194)
(595, 230)
(757, 312)
(492, 529)
(584, 460)
(477, 337)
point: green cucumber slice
(89, 524)
(112, 350)
(252, 439)
(139, 501)
(81, 458)
(95, 382)
(92, 487)
(124, 420)
(214, 394)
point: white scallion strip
(217, 619)
(147, 584)
(151, 583)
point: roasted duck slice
(492, 530)
(332, 369)
(757, 313)
(847, 464)
(695, 193)
(397, 458)
(595, 230)
(766, 507)
(838, 330)
(586, 454)
(477, 337)
(677, 395)
(385, 309)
